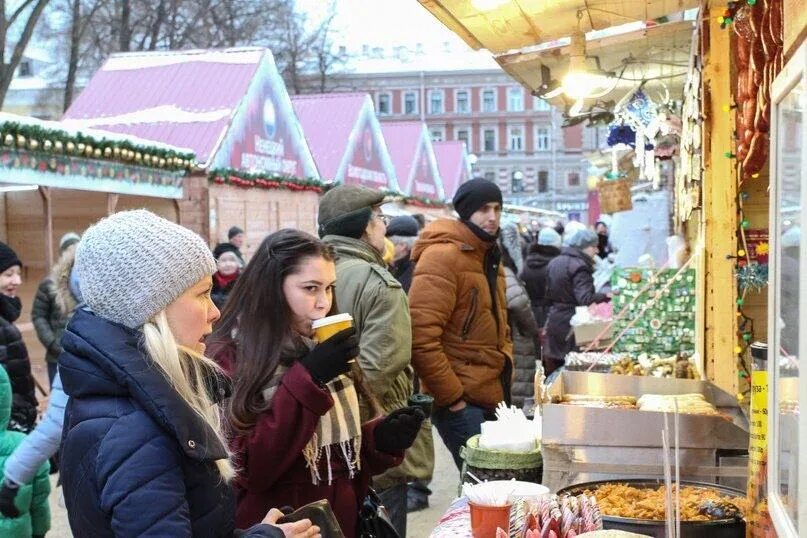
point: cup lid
(328, 320)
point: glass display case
(787, 319)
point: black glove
(7, 493)
(329, 359)
(399, 429)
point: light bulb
(582, 84)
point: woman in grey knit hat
(569, 283)
(143, 451)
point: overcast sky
(385, 23)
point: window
(490, 176)
(541, 105)
(489, 140)
(543, 181)
(410, 103)
(517, 181)
(464, 136)
(26, 69)
(384, 104)
(573, 179)
(436, 102)
(438, 134)
(516, 138)
(489, 101)
(515, 99)
(463, 102)
(541, 139)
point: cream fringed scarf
(338, 433)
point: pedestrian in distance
(55, 301)
(569, 284)
(297, 432)
(461, 346)
(13, 352)
(143, 451)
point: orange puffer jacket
(460, 348)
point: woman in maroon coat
(294, 410)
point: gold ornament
(47, 145)
(71, 147)
(20, 141)
(9, 139)
(107, 152)
(162, 162)
(80, 147)
(88, 150)
(97, 153)
(33, 145)
(138, 156)
(116, 152)
(58, 146)
(147, 159)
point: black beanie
(8, 258)
(474, 194)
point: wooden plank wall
(259, 213)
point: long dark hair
(257, 318)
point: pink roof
(184, 99)
(327, 121)
(402, 139)
(451, 160)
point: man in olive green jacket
(350, 220)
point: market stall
(259, 172)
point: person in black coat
(143, 453)
(534, 273)
(570, 283)
(13, 353)
(229, 265)
(403, 232)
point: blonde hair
(186, 370)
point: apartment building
(515, 139)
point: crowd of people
(191, 396)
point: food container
(721, 528)
(486, 519)
(586, 333)
(489, 464)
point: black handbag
(320, 514)
(374, 521)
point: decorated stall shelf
(668, 326)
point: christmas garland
(237, 178)
(57, 142)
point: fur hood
(60, 275)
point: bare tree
(26, 14)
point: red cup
(486, 519)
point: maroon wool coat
(272, 471)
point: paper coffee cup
(328, 326)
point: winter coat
(402, 271)
(219, 294)
(53, 305)
(534, 278)
(524, 332)
(32, 497)
(569, 284)
(461, 346)
(380, 310)
(43, 442)
(136, 460)
(14, 358)
(272, 469)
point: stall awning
(505, 25)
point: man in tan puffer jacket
(461, 347)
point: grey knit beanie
(133, 264)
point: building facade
(515, 139)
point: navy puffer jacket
(136, 460)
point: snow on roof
(327, 121)
(452, 163)
(439, 61)
(181, 98)
(95, 133)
